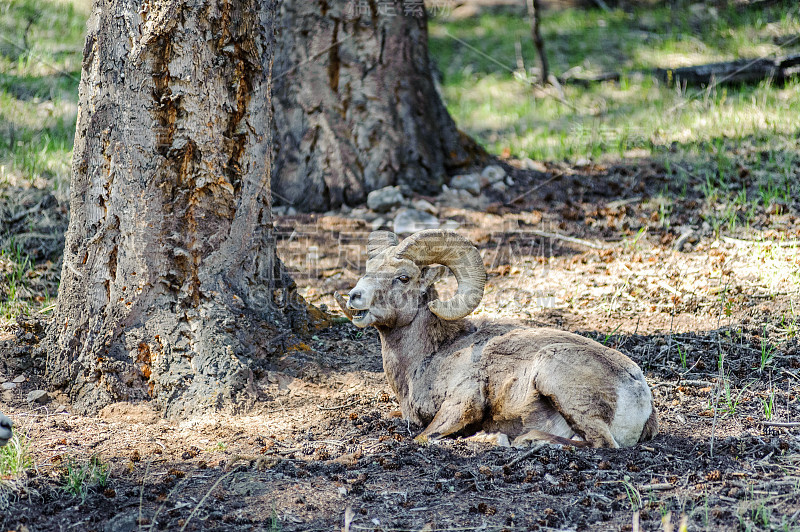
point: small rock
(279, 210)
(412, 220)
(583, 161)
(469, 182)
(460, 199)
(38, 396)
(291, 211)
(424, 206)
(378, 223)
(681, 240)
(450, 225)
(384, 199)
(19, 379)
(493, 173)
(8, 385)
(124, 522)
(509, 181)
(530, 164)
(499, 186)
(776, 207)
(342, 490)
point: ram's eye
(404, 278)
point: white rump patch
(634, 406)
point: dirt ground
(712, 321)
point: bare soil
(712, 321)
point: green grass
(703, 134)
(15, 267)
(41, 45)
(15, 457)
(80, 478)
(15, 461)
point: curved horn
(379, 241)
(435, 246)
(343, 305)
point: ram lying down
(514, 384)
(5, 429)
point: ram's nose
(356, 298)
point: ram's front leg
(455, 414)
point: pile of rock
(388, 208)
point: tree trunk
(170, 273)
(355, 105)
(535, 12)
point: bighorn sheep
(5, 430)
(458, 377)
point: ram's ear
(431, 274)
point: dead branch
(739, 71)
(535, 10)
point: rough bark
(355, 105)
(170, 273)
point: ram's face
(391, 292)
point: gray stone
(460, 199)
(469, 182)
(499, 186)
(411, 220)
(378, 223)
(450, 225)
(530, 164)
(425, 206)
(9, 385)
(384, 199)
(493, 173)
(125, 522)
(39, 396)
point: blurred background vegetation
(736, 147)
(710, 131)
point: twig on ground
(657, 487)
(789, 373)
(347, 405)
(565, 238)
(203, 500)
(533, 189)
(523, 456)
(141, 493)
(782, 244)
(699, 383)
